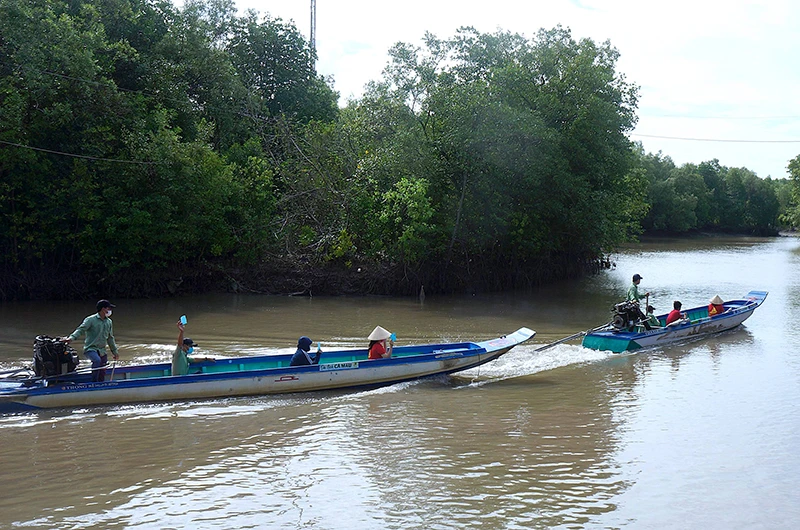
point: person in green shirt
(180, 357)
(634, 296)
(633, 291)
(652, 319)
(98, 331)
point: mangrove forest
(150, 150)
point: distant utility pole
(313, 39)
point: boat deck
(697, 323)
(240, 365)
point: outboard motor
(626, 314)
(51, 357)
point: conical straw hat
(716, 300)
(379, 334)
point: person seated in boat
(715, 306)
(652, 319)
(675, 315)
(378, 349)
(301, 357)
(180, 357)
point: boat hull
(244, 377)
(700, 324)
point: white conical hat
(379, 334)
(716, 300)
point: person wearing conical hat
(378, 348)
(715, 306)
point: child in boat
(651, 318)
(301, 357)
(377, 343)
(715, 306)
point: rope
(573, 336)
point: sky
(717, 79)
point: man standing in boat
(99, 332)
(635, 296)
(633, 291)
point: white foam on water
(524, 360)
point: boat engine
(52, 357)
(625, 314)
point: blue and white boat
(622, 334)
(245, 376)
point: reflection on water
(566, 437)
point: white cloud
(692, 58)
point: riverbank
(301, 277)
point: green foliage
(404, 220)
(276, 69)
(752, 206)
(521, 144)
(471, 152)
(157, 142)
(792, 215)
(342, 246)
(707, 197)
(149, 156)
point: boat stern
(607, 341)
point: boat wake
(524, 360)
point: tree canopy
(149, 149)
(495, 152)
(708, 197)
(792, 213)
(136, 137)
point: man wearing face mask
(99, 332)
(180, 357)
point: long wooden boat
(248, 376)
(618, 338)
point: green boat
(625, 334)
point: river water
(698, 435)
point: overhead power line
(692, 117)
(73, 155)
(716, 139)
